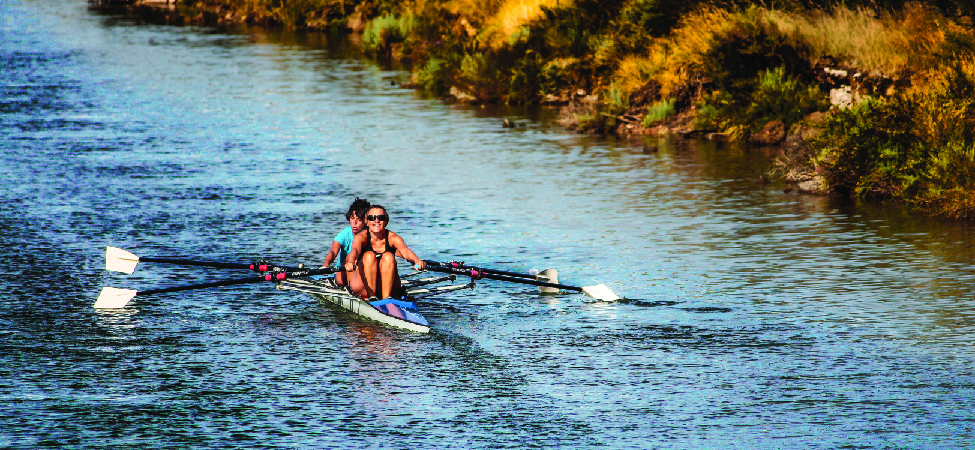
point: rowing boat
(400, 313)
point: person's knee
(388, 260)
(369, 259)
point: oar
(547, 275)
(119, 260)
(117, 298)
(599, 291)
(461, 265)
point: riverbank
(868, 103)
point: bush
(385, 30)
(659, 111)
(432, 75)
(772, 95)
(526, 80)
(656, 18)
(918, 146)
(556, 74)
(778, 96)
(573, 30)
(616, 102)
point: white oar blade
(118, 260)
(114, 297)
(601, 292)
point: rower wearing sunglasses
(375, 250)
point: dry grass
(943, 101)
(668, 59)
(887, 44)
(936, 119)
(873, 42)
(634, 71)
(512, 16)
(475, 12)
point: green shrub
(476, 74)
(616, 101)
(863, 153)
(574, 30)
(708, 117)
(720, 111)
(555, 75)
(918, 146)
(660, 111)
(385, 30)
(778, 96)
(772, 95)
(654, 18)
(525, 80)
(432, 76)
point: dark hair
(359, 208)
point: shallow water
(753, 318)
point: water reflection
(115, 321)
(374, 341)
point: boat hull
(396, 314)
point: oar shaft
(531, 282)
(220, 265)
(273, 277)
(202, 286)
(460, 265)
(187, 262)
(476, 273)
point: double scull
(400, 312)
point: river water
(753, 318)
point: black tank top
(387, 249)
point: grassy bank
(891, 84)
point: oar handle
(477, 274)
(272, 276)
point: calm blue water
(754, 318)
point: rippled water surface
(753, 318)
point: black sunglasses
(381, 217)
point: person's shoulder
(346, 233)
(394, 236)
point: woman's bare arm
(404, 252)
(332, 253)
(357, 243)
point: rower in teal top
(342, 244)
